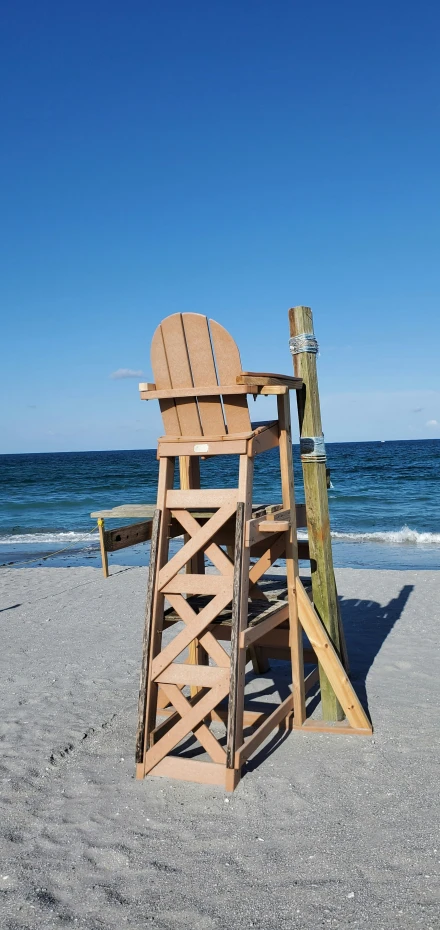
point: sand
(322, 832)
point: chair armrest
(269, 378)
(149, 392)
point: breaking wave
(404, 536)
(62, 539)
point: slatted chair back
(188, 351)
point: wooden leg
(102, 547)
(165, 483)
(287, 485)
(145, 683)
(239, 613)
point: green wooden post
(325, 596)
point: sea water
(384, 501)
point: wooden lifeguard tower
(202, 392)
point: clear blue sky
(233, 158)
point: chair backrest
(189, 351)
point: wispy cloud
(125, 373)
(432, 423)
(417, 409)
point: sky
(232, 158)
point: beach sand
(322, 832)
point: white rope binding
(304, 342)
(312, 449)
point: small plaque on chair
(201, 447)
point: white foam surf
(62, 539)
(404, 536)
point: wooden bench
(135, 533)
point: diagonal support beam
(186, 725)
(201, 731)
(213, 551)
(329, 660)
(195, 625)
(273, 552)
(196, 542)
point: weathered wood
(228, 365)
(198, 342)
(251, 744)
(288, 492)
(213, 391)
(338, 728)
(198, 584)
(140, 736)
(186, 724)
(126, 510)
(271, 618)
(200, 730)
(315, 489)
(125, 536)
(205, 773)
(189, 473)
(265, 439)
(262, 379)
(329, 661)
(195, 625)
(103, 547)
(179, 367)
(212, 550)
(166, 478)
(268, 523)
(208, 497)
(196, 542)
(235, 634)
(179, 673)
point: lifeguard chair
(202, 393)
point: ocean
(384, 501)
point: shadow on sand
(366, 624)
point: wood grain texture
(262, 379)
(209, 391)
(198, 342)
(195, 625)
(103, 546)
(228, 365)
(315, 489)
(159, 364)
(197, 542)
(235, 634)
(271, 618)
(291, 551)
(253, 742)
(126, 536)
(165, 481)
(186, 724)
(205, 773)
(200, 730)
(330, 661)
(142, 703)
(179, 673)
(189, 474)
(239, 616)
